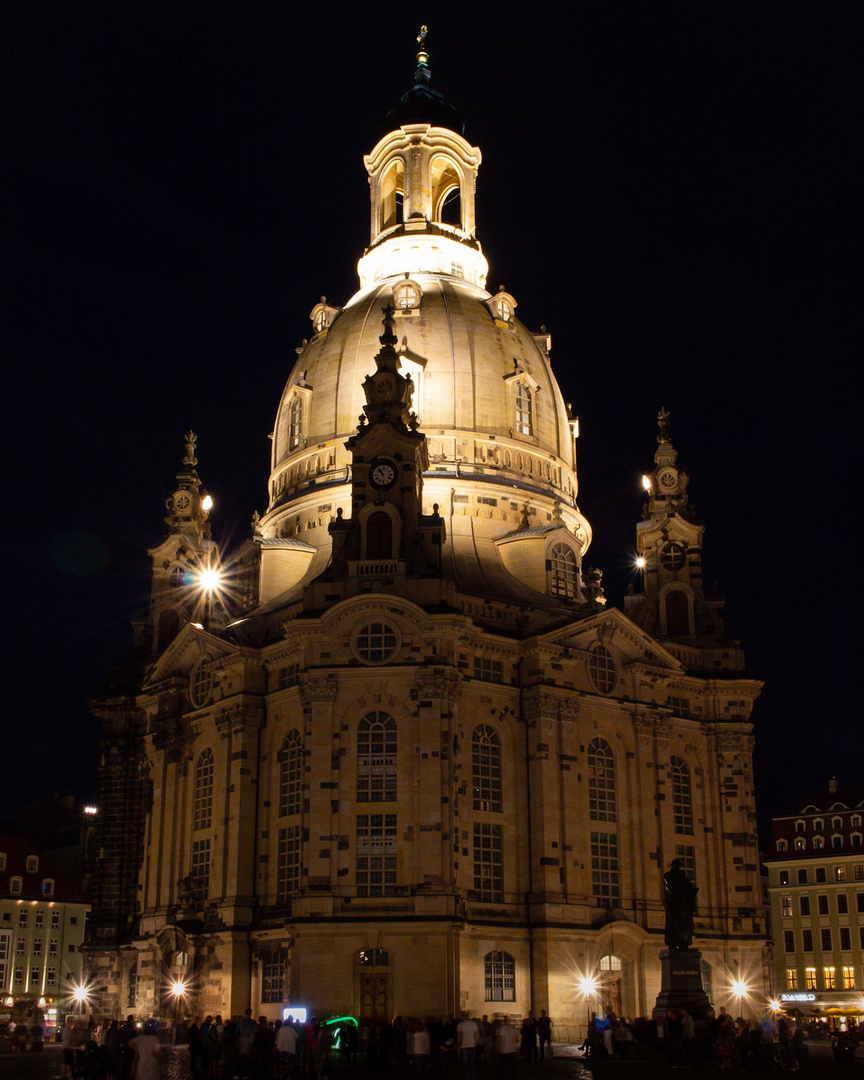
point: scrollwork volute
(241, 719)
(318, 690)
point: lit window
(488, 863)
(273, 978)
(791, 979)
(203, 814)
(848, 978)
(376, 642)
(201, 869)
(376, 758)
(295, 422)
(562, 571)
(682, 802)
(486, 769)
(500, 970)
(810, 978)
(601, 669)
(376, 854)
(786, 905)
(839, 873)
(488, 670)
(524, 410)
(604, 869)
(828, 974)
(291, 774)
(406, 295)
(374, 958)
(601, 781)
(288, 866)
(784, 877)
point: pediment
(192, 645)
(613, 628)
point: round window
(376, 642)
(201, 686)
(602, 670)
(673, 557)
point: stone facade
(396, 755)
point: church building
(397, 755)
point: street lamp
(587, 988)
(178, 992)
(81, 995)
(740, 990)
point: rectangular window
(488, 863)
(51, 977)
(820, 875)
(848, 978)
(828, 974)
(133, 987)
(52, 947)
(802, 877)
(809, 978)
(840, 873)
(55, 919)
(842, 904)
(861, 936)
(288, 866)
(5, 957)
(500, 977)
(288, 676)
(803, 905)
(822, 902)
(488, 670)
(845, 938)
(35, 975)
(40, 917)
(21, 946)
(604, 869)
(789, 941)
(22, 917)
(687, 855)
(273, 979)
(859, 902)
(785, 905)
(376, 854)
(201, 870)
(19, 973)
(807, 940)
(791, 979)
(37, 946)
(826, 939)
(859, 871)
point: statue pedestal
(681, 984)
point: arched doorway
(373, 978)
(611, 976)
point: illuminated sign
(797, 997)
(295, 1013)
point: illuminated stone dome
(500, 437)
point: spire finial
(422, 73)
(388, 337)
(190, 459)
(663, 425)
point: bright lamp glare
(739, 988)
(178, 989)
(210, 580)
(640, 561)
(774, 1005)
(646, 483)
(80, 993)
(207, 503)
(587, 985)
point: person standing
(467, 1037)
(544, 1034)
(146, 1046)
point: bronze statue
(679, 899)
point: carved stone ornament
(317, 690)
(734, 742)
(172, 737)
(241, 719)
(539, 706)
(186, 891)
(653, 726)
(437, 688)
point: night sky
(673, 189)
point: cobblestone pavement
(566, 1065)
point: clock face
(181, 501)
(382, 473)
(668, 479)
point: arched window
(524, 410)
(203, 815)
(486, 769)
(379, 536)
(291, 774)
(562, 570)
(295, 422)
(500, 971)
(392, 190)
(601, 781)
(446, 195)
(677, 613)
(611, 963)
(376, 758)
(682, 799)
(169, 628)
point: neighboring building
(42, 923)
(405, 759)
(815, 869)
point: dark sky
(672, 188)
